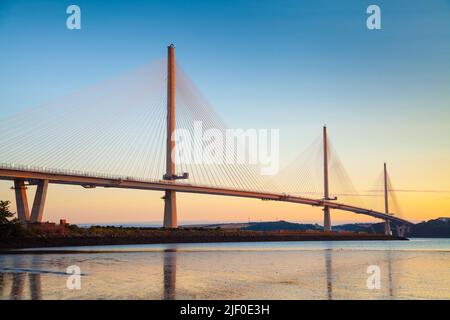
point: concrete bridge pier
(37, 210)
(23, 212)
(402, 230)
(387, 228)
(170, 209)
(326, 219)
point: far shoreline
(165, 236)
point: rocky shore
(123, 236)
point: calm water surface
(416, 269)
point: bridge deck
(57, 177)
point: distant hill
(280, 225)
(437, 228)
(356, 227)
(285, 225)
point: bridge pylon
(326, 195)
(170, 202)
(387, 224)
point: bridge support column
(401, 230)
(326, 209)
(37, 210)
(170, 209)
(170, 200)
(23, 212)
(387, 228)
(326, 219)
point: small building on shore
(51, 227)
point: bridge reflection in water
(18, 278)
(329, 271)
(328, 255)
(170, 273)
(27, 276)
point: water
(416, 269)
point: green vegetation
(116, 231)
(9, 226)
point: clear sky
(294, 65)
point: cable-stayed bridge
(121, 135)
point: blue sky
(293, 65)
(314, 60)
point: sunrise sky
(291, 65)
